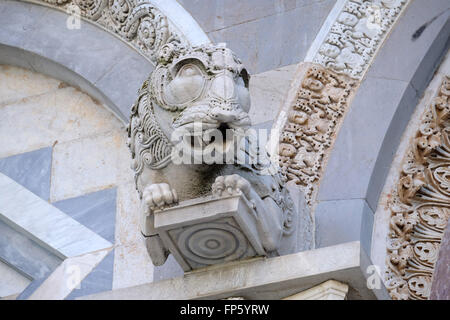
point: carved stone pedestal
(208, 231)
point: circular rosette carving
(427, 252)
(152, 33)
(212, 243)
(434, 216)
(91, 9)
(141, 23)
(441, 177)
(420, 286)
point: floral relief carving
(356, 35)
(137, 22)
(311, 125)
(420, 207)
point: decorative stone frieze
(137, 22)
(420, 205)
(208, 193)
(356, 34)
(341, 54)
(311, 125)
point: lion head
(193, 93)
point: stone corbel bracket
(209, 231)
(219, 229)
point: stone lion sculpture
(194, 97)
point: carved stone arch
(360, 158)
(342, 121)
(35, 36)
(415, 202)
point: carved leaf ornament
(420, 207)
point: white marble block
(208, 231)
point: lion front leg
(155, 196)
(159, 196)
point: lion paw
(230, 185)
(159, 196)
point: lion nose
(224, 115)
(222, 87)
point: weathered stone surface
(128, 223)
(268, 91)
(73, 115)
(75, 174)
(132, 264)
(17, 83)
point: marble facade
(343, 83)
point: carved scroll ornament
(420, 207)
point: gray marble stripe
(96, 211)
(25, 294)
(31, 170)
(24, 255)
(44, 223)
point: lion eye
(186, 86)
(189, 71)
